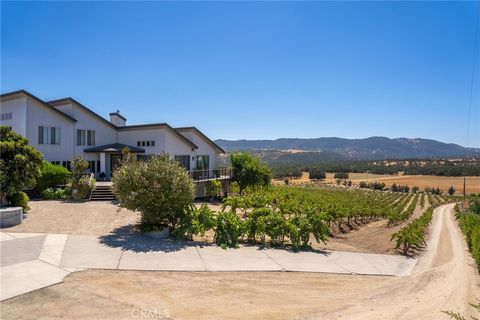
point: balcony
(208, 175)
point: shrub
(51, 175)
(19, 163)
(470, 225)
(228, 229)
(341, 175)
(298, 230)
(79, 166)
(251, 224)
(273, 225)
(317, 174)
(20, 199)
(469, 222)
(48, 194)
(413, 234)
(213, 189)
(55, 193)
(196, 221)
(159, 188)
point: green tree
(19, 163)
(341, 175)
(159, 188)
(317, 174)
(249, 171)
(451, 190)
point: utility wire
(472, 78)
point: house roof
(123, 128)
(175, 131)
(114, 147)
(84, 108)
(31, 96)
(159, 125)
(202, 135)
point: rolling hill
(373, 148)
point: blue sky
(254, 70)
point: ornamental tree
(19, 163)
(159, 188)
(249, 171)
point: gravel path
(93, 217)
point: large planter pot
(10, 216)
(76, 194)
(160, 234)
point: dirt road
(444, 279)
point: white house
(63, 128)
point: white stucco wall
(104, 134)
(40, 115)
(204, 148)
(18, 108)
(28, 114)
(131, 136)
(174, 146)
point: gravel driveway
(93, 217)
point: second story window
(54, 135)
(90, 137)
(149, 143)
(80, 137)
(48, 135)
(42, 135)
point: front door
(115, 160)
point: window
(80, 137)
(48, 135)
(54, 135)
(184, 161)
(149, 143)
(90, 137)
(7, 116)
(42, 135)
(55, 162)
(98, 166)
(202, 162)
(92, 166)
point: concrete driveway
(31, 261)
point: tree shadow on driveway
(129, 239)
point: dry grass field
(472, 183)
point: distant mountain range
(373, 148)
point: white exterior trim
(24, 113)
